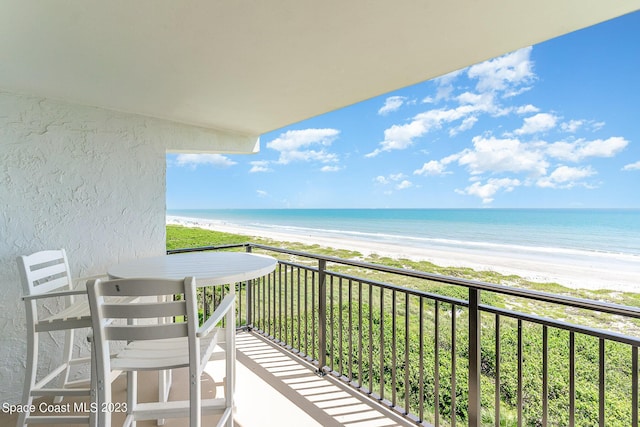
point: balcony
(331, 341)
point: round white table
(209, 268)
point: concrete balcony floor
(273, 388)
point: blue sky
(555, 125)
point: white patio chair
(45, 276)
(153, 345)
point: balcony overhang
(249, 67)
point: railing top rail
(605, 307)
(206, 248)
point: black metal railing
(446, 351)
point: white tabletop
(209, 268)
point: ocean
(575, 231)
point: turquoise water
(591, 230)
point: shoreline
(591, 271)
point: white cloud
(465, 125)
(498, 164)
(432, 167)
(330, 168)
(321, 156)
(541, 122)
(399, 179)
(445, 84)
(296, 139)
(487, 191)
(404, 184)
(397, 176)
(500, 74)
(492, 155)
(262, 193)
(391, 104)
(504, 73)
(632, 166)
(572, 126)
(527, 109)
(581, 149)
(294, 145)
(194, 160)
(400, 137)
(381, 180)
(260, 166)
(566, 177)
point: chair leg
(195, 397)
(93, 390)
(30, 375)
(165, 380)
(66, 359)
(230, 362)
(132, 395)
(104, 397)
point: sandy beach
(586, 271)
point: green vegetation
(368, 331)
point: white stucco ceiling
(251, 66)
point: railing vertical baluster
(285, 322)
(306, 313)
(381, 343)
(370, 338)
(255, 312)
(262, 299)
(545, 375)
(350, 331)
(262, 303)
(601, 383)
(264, 290)
(280, 303)
(316, 316)
(270, 303)
(497, 379)
(340, 352)
(299, 346)
(275, 301)
(249, 285)
(407, 389)
(519, 392)
(453, 366)
(634, 386)
(239, 305)
(572, 379)
(436, 366)
(332, 321)
(292, 318)
(394, 356)
(322, 316)
(474, 414)
(421, 359)
(360, 334)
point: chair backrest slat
(144, 310)
(145, 332)
(44, 271)
(135, 312)
(141, 287)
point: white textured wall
(88, 180)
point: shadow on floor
(274, 388)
